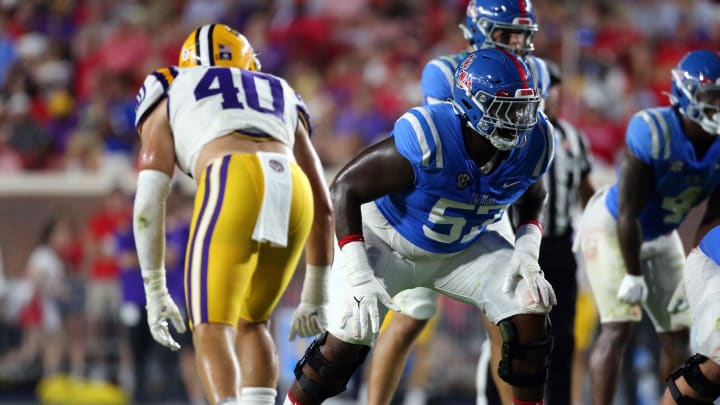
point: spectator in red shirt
(103, 291)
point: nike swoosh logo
(510, 184)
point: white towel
(274, 217)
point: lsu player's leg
(218, 368)
(397, 340)
(230, 277)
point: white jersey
(205, 103)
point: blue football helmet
(495, 92)
(483, 17)
(696, 88)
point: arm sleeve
(153, 187)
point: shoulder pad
(418, 139)
(648, 136)
(152, 91)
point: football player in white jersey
(244, 137)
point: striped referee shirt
(571, 163)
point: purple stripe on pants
(208, 238)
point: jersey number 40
(222, 81)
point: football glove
(524, 263)
(633, 289)
(161, 308)
(309, 319)
(364, 294)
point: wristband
(536, 223)
(355, 237)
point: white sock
(257, 396)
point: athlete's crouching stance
(413, 211)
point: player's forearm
(348, 217)
(319, 247)
(630, 241)
(149, 218)
(530, 206)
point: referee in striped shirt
(568, 182)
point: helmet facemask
(523, 26)
(505, 119)
(702, 100)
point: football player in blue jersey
(697, 381)
(633, 254)
(413, 211)
(505, 24)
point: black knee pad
(340, 375)
(538, 351)
(690, 370)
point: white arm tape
(315, 284)
(356, 263)
(527, 240)
(153, 187)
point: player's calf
(324, 370)
(698, 388)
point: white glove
(160, 307)
(524, 263)
(633, 289)
(364, 292)
(678, 301)
(308, 319)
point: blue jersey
(437, 78)
(710, 244)
(452, 202)
(655, 136)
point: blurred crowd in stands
(69, 71)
